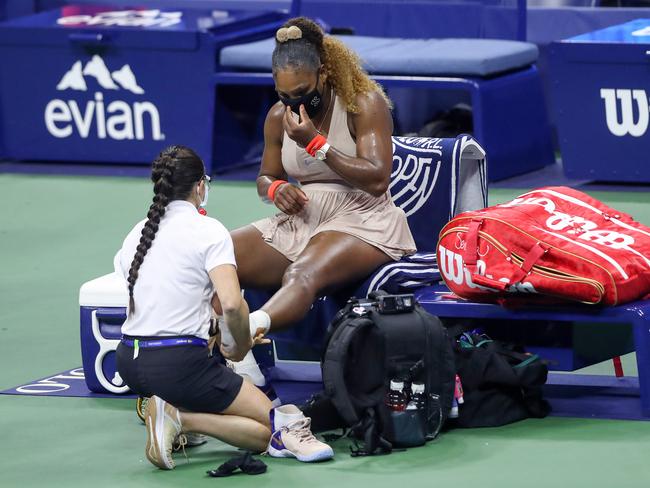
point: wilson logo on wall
(626, 111)
(102, 114)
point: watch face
(321, 152)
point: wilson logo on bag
(548, 245)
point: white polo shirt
(173, 291)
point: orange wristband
(315, 144)
(273, 187)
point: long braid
(162, 177)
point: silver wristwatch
(321, 153)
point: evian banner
(103, 113)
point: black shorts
(184, 376)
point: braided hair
(174, 174)
(311, 48)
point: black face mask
(312, 102)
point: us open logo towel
(434, 179)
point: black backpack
(369, 343)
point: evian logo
(125, 18)
(116, 120)
(628, 120)
(414, 177)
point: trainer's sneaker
(141, 407)
(189, 439)
(296, 440)
(163, 425)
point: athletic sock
(285, 415)
(249, 367)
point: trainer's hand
(259, 338)
(236, 353)
(290, 199)
(302, 132)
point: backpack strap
(367, 429)
(341, 315)
(333, 368)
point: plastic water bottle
(417, 397)
(453, 413)
(396, 398)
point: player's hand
(290, 199)
(260, 338)
(302, 132)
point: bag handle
(470, 259)
(533, 255)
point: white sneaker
(163, 425)
(296, 440)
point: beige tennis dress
(335, 205)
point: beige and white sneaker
(189, 439)
(163, 425)
(294, 438)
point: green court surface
(58, 232)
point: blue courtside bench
(610, 397)
(500, 76)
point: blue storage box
(102, 304)
(600, 86)
(103, 84)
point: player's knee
(296, 276)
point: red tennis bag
(549, 245)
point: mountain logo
(74, 78)
(116, 119)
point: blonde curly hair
(312, 47)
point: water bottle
(417, 397)
(396, 398)
(453, 413)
